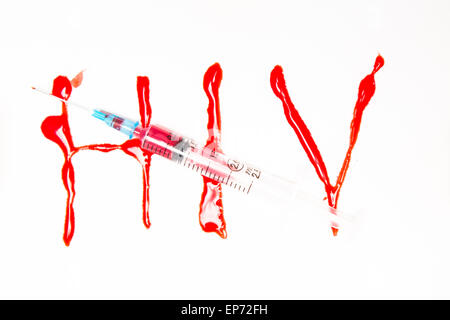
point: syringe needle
(87, 109)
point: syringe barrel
(208, 162)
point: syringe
(238, 175)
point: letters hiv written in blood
(365, 93)
(57, 129)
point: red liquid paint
(211, 208)
(365, 93)
(57, 129)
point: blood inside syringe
(206, 161)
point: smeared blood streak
(57, 129)
(365, 93)
(211, 207)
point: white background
(398, 179)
